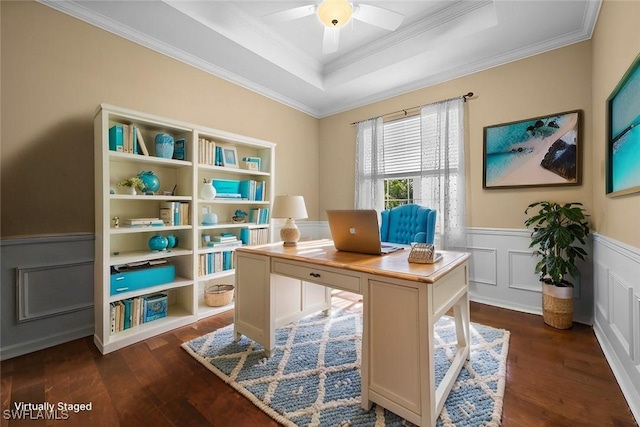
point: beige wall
(55, 72)
(552, 82)
(616, 43)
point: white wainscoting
(501, 273)
(617, 312)
(47, 292)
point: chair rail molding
(46, 292)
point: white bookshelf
(126, 245)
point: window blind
(404, 155)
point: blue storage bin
(144, 278)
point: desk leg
(254, 302)
(461, 315)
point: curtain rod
(404, 110)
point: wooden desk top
(395, 265)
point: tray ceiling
(436, 41)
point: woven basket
(557, 306)
(218, 295)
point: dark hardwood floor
(554, 378)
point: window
(407, 167)
(418, 159)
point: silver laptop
(357, 230)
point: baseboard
(629, 390)
(504, 304)
(42, 343)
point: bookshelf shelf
(234, 202)
(155, 198)
(180, 179)
(160, 229)
(137, 256)
(180, 282)
(205, 311)
(218, 275)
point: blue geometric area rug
(313, 375)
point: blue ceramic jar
(150, 180)
(172, 241)
(158, 243)
(164, 146)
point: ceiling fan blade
(330, 40)
(290, 14)
(374, 15)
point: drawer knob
(316, 275)
(122, 289)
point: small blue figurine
(239, 216)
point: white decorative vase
(208, 191)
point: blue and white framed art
(536, 152)
(623, 134)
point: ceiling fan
(336, 13)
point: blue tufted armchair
(408, 223)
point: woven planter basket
(218, 295)
(557, 306)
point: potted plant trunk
(558, 236)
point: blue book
(244, 236)
(260, 191)
(218, 158)
(127, 313)
(179, 149)
(264, 216)
(116, 138)
(248, 189)
(134, 140)
(156, 307)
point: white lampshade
(334, 13)
(289, 207)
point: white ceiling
(438, 40)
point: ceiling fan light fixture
(334, 13)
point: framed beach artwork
(623, 134)
(541, 151)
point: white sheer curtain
(370, 165)
(442, 183)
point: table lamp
(289, 207)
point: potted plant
(557, 230)
(133, 183)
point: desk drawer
(321, 276)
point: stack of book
(252, 190)
(254, 236)
(174, 213)
(131, 312)
(206, 151)
(142, 222)
(127, 139)
(215, 262)
(259, 215)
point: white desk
(402, 302)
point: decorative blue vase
(158, 243)
(150, 180)
(172, 241)
(164, 146)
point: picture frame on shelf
(537, 152)
(623, 134)
(229, 156)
